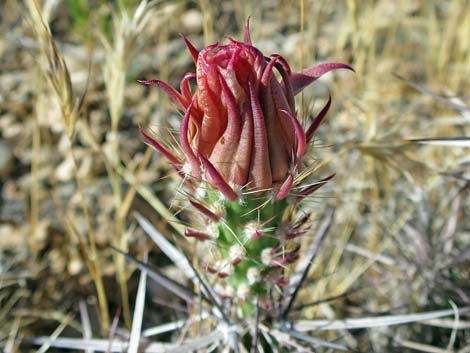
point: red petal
(192, 49)
(214, 120)
(285, 188)
(268, 71)
(299, 132)
(279, 149)
(280, 103)
(303, 79)
(246, 33)
(172, 93)
(243, 156)
(186, 146)
(217, 181)
(167, 154)
(260, 165)
(318, 120)
(224, 151)
(283, 67)
(184, 85)
(280, 132)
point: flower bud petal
(240, 123)
(302, 79)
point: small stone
(192, 21)
(13, 236)
(56, 261)
(65, 170)
(75, 266)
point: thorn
(222, 274)
(295, 234)
(256, 235)
(312, 251)
(312, 188)
(204, 210)
(236, 261)
(279, 262)
(197, 235)
(208, 268)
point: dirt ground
(74, 169)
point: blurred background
(73, 167)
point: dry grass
(75, 167)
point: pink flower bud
(240, 126)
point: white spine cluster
(267, 256)
(253, 275)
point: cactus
(240, 159)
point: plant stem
(95, 270)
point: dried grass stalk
(55, 70)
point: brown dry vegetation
(73, 167)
